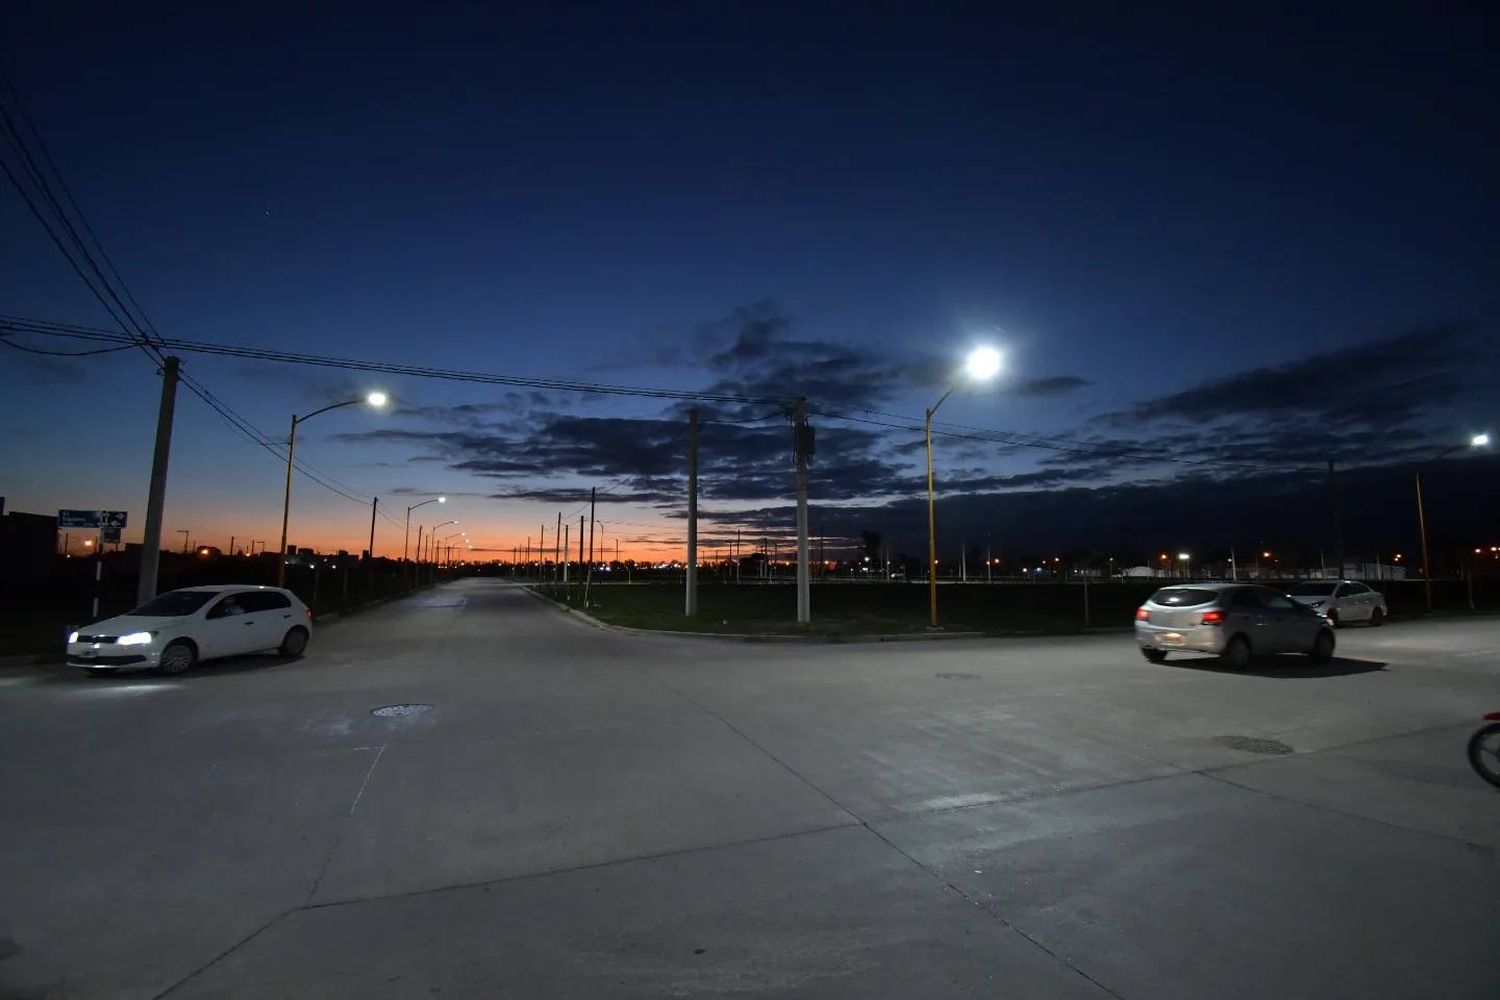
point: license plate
(1171, 638)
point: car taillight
(309, 613)
(1142, 615)
(1213, 617)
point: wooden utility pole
(589, 576)
(690, 601)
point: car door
(226, 628)
(1291, 626)
(1247, 614)
(1284, 625)
(273, 615)
(1344, 603)
(1365, 598)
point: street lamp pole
(406, 537)
(375, 399)
(1475, 441)
(982, 365)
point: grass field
(859, 609)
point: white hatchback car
(1342, 601)
(181, 627)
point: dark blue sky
(1131, 207)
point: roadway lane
(583, 813)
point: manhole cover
(397, 711)
(958, 677)
(1253, 744)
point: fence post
(1087, 619)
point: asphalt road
(588, 814)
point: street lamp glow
(982, 364)
(377, 399)
(1183, 556)
(442, 499)
(1479, 441)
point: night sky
(1216, 251)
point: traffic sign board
(112, 518)
(78, 518)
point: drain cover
(1253, 744)
(397, 711)
(958, 677)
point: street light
(1481, 440)
(432, 537)
(377, 400)
(406, 540)
(982, 364)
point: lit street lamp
(374, 399)
(982, 364)
(406, 539)
(1475, 441)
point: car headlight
(136, 639)
(72, 637)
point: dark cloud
(1386, 381)
(1051, 385)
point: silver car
(1342, 601)
(1233, 621)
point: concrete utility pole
(157, 495)
(565, 549)
(803, 442)
(690, 601)
(589, 577)
(1338, 530)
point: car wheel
(1154, 655)
(294, 643)
(1236, 655)
(177, 657)
(1377, 618)
(1322, 650)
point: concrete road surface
(581, 813)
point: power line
(5, 339)
(51, 329)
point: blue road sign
(112, 518)
(78, 518)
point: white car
(181, 627)
(1342, 601)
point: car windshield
(1312, 589)
(174, 604)
(1183, 597)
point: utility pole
(374, 506)
(1338, 531)
(580, 545)
(690, 601)
(184, 533)
(736, 555)
(558, 548)
(231, 546)
(541, 553)
(803, 442)
(565, 549)
(989, 562)
(157, 495)
(589, 578)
